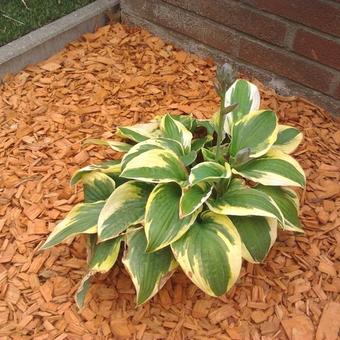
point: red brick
(337, 92)
(318, 48)
(319, 14)
(184, 22)
(286, 64)
(237, 16)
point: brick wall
(294, 45)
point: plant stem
(220, 126)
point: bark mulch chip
(121, 76)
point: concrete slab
(49, 39)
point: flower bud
(225, 76)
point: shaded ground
(19, 17)
(123, 76)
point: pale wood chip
(221, 313)
(299, 327)
(329, 326)
(120, 328)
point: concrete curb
(51, 38)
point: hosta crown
(193, 193)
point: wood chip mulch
(121, 76)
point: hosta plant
(199, 194)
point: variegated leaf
(209, 171)
(82, 218)
(240, 200)
(208, 155)
(288, 202)
(193, 197)
(91, 241)
(189, 158)
(152, 144)
(187, 120)
(113, 144)
(156, 166)
(83, 289)
(174, 129)
(102, 258)
(104, 255)
(210, 253)
(148, 271)
(163, 224)
(109, 167)
(125, 207)
(97, 186)
(246, 95)
(288, 139)
(198, 144)
(255, 133)
(139, 132)
(257, 233)
(275, 168)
